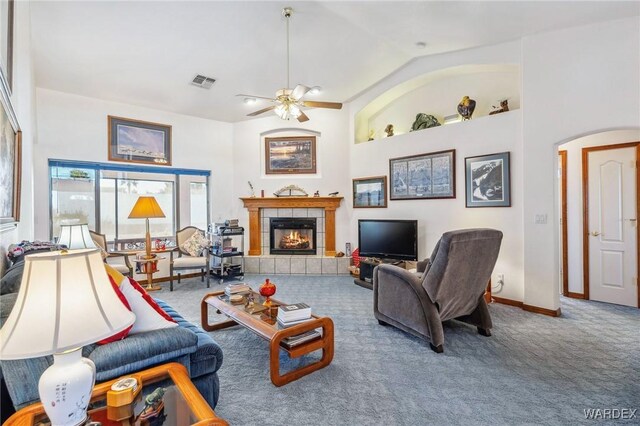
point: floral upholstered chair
(192, 249)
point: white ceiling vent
(203, 81)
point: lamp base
(65, 388)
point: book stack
(290, 315)
(293, 341)
(231, 223)
(241, 288)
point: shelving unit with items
(227, 252)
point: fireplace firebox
(292, 235)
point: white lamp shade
(76, 236)
(65, 301)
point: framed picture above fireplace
(290, 155)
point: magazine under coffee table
(273, 334)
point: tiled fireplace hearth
(321, 210)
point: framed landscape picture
(487, 180)
(290, 155)
(424, 176)
(135, 141)
(370, 192)
(10, 159)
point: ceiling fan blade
(303, 117)
(263, 110)
(320, 104)
(257, 97)
(299, 91)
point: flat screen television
(388, 239)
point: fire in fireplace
(292, 235)
(295, 240)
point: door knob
(595, 233)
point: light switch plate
(540, 219)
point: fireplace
(292, 235)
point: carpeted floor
(533, 370)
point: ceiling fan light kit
(288, 102)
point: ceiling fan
(288, 102)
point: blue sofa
(186, 344)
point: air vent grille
(203, 81)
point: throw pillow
(114, 273)
(195, 244)
(124, 333)
(149, 316)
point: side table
(183, 404)
(149, 267)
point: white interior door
(612, 226)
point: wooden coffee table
(274, 335)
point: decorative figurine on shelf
(288, 191)
(466, 108)
(333, 194)
(389, 130)
(316, 194)
(372, 133)
(267, 289)
(424, 121)
(253, 192)
(504, 107)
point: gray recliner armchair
(452, 286)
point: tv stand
(366, 270)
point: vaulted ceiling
(146, 53)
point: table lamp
(65, 301)
(76, 236)
(145, 208)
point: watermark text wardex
(610, 413)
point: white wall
(575, 82)
(332, 151)
(440, 98)
(23, 100)
(480, 136)
(75, 128)
(574, 196)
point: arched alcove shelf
(438, 93)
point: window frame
(100, 167)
